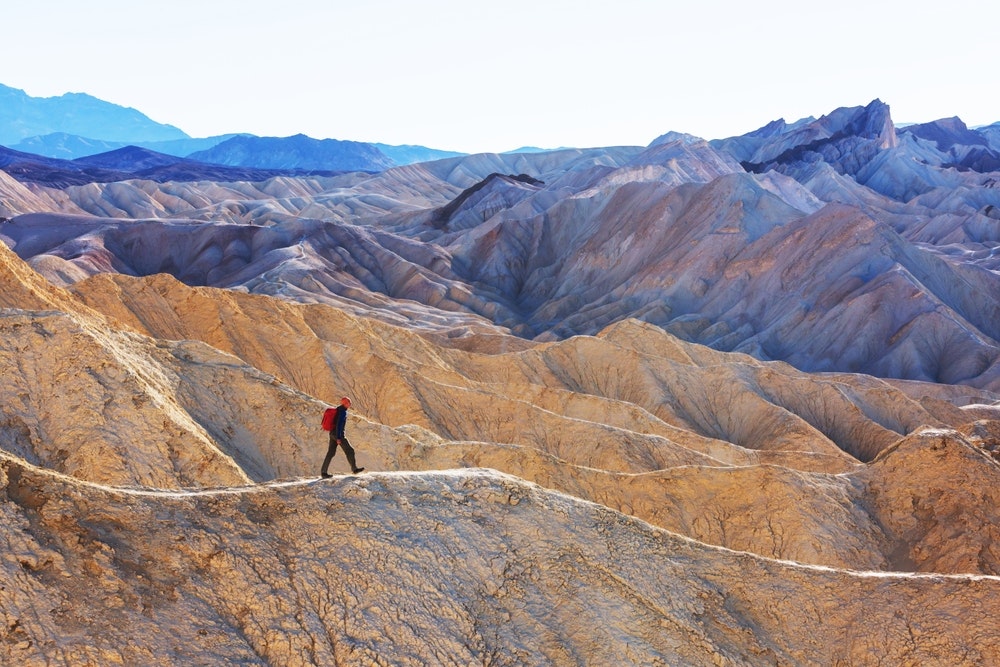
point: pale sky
(477, 76)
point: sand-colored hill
(465, 567)
(720, 447)
(632, 376)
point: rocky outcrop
(967, 149)
(847, 139)
(485, 199)
(934, 494)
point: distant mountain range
(130, 162)
(75, 125)
(70, 146)
(23, 116)
(297, 152)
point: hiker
(337, 438)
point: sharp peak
(876, 106)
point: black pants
(348, 451)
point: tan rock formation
(652, 437)
(935, 494)
(461, 567)
(632, 377)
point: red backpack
(328, 416)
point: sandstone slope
(676, 434)
(461, 567)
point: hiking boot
(325, 475)
(357, 470)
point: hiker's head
(346, 402)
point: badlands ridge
(588, 394)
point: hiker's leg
(349, 451)
(329, 454)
